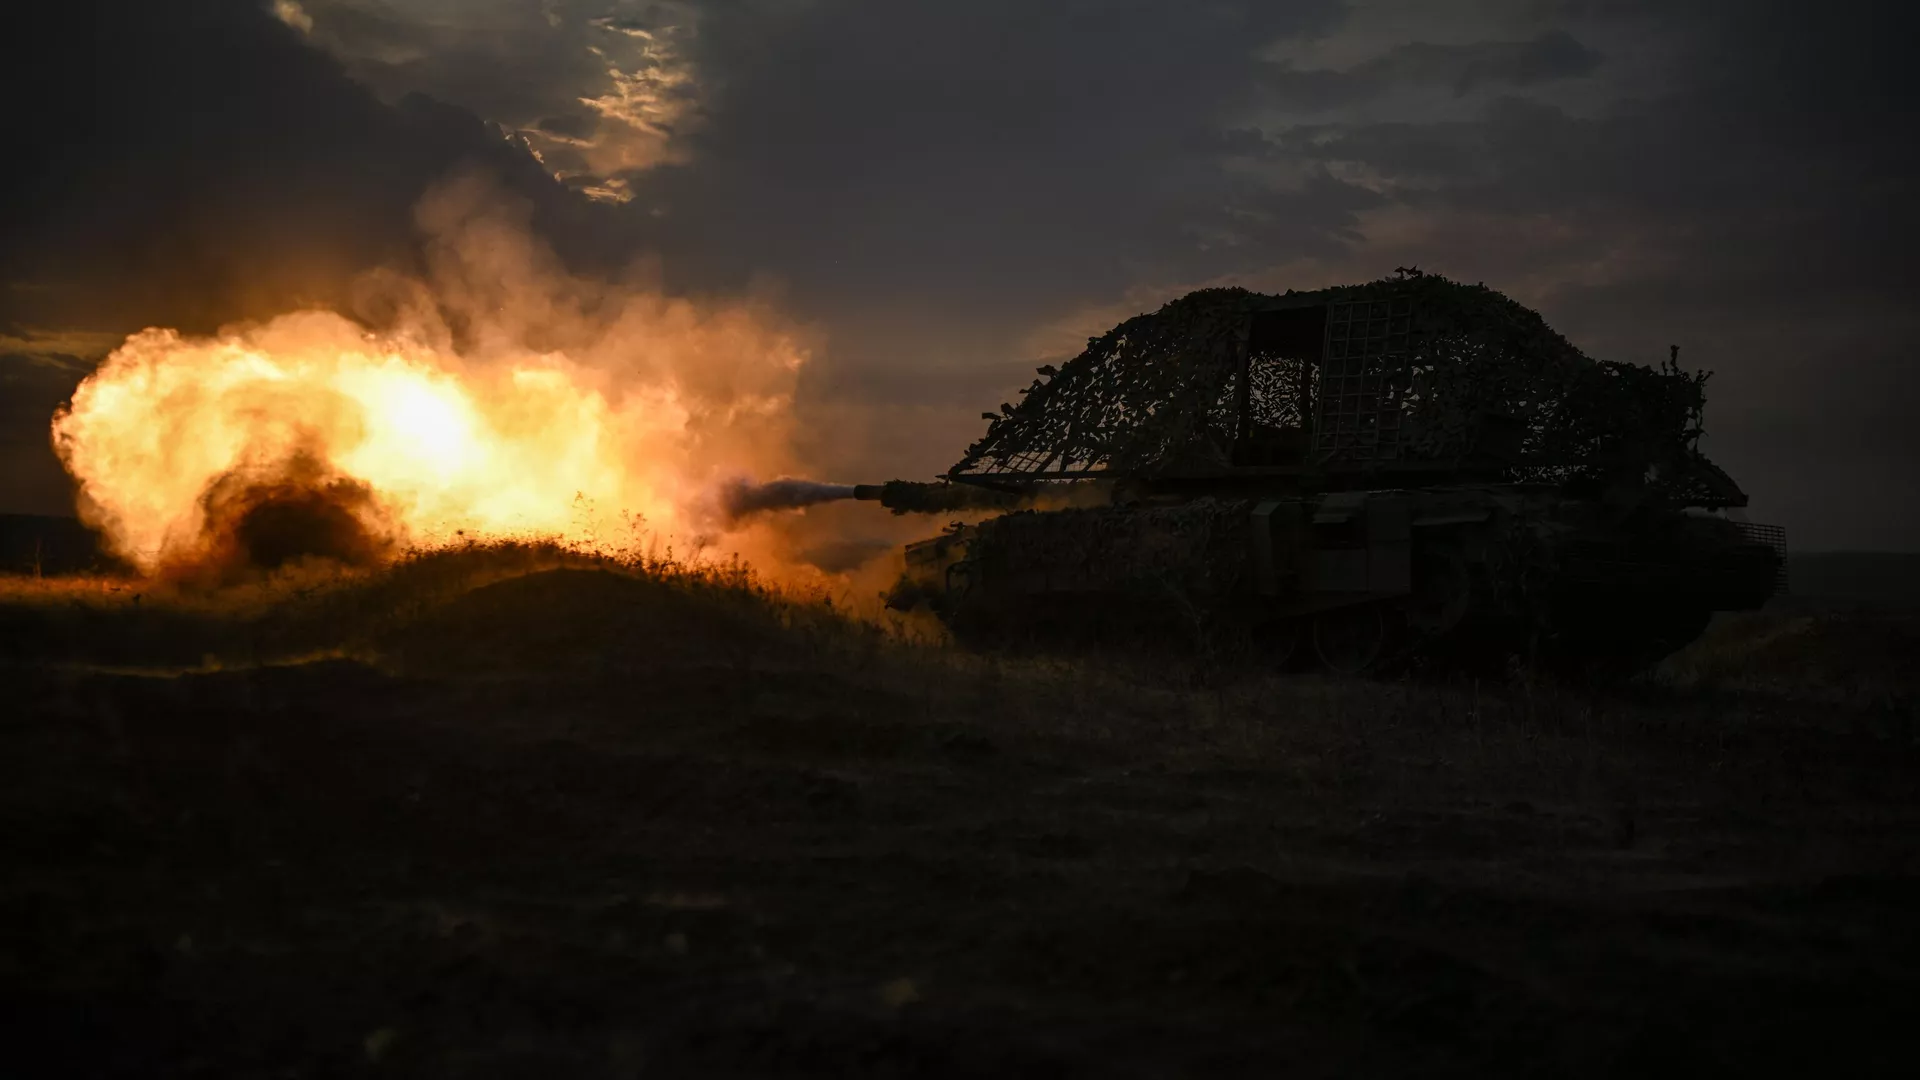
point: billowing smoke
(499, 396)
(297, 511)
(743, 498)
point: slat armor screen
(1362, 379)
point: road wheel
(1279, 644)
(1349, 640)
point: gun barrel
(908, 497)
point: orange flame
(567, 409)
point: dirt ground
(578, 823)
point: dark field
(512, 814)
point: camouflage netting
(1455, 375)
(1152, 391)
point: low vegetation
(524, 810)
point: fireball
(233, 446)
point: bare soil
(578, 822)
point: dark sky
(953, 191)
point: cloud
(188, 165)
(1461, 69)
(291, 13)
(1755, 206)
(598, 89)
(943, 189)
(910, 145)
(208, 163)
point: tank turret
(1410, 461)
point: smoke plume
(500, 395)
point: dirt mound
(517, 606)
(588, 619)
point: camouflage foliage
(1481, 381)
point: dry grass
(534, 607)
(560, 804)
(315, 609)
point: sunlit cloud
(597, 89)
(291, 13)
(651, 100)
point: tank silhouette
(1408, 466)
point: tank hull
(1467, 572)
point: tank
(1408, 467)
